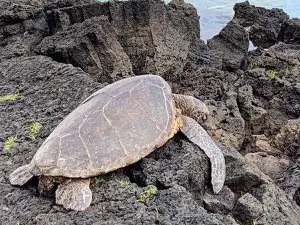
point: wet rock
(290, 32)
(264, 24)
(221, 203)
(268, 164)
(228, 49)
(248, 208)
(158, 38)
(92, 46)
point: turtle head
(191, 107)
(199, 110)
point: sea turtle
(114, 127)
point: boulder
(92, 46)
(228, 49)
(290, 32)
(264, 24)
(158, 38)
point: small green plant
(147, 194)
(9, 144)
(124, 183)
(99, 180)
(8, 97)
(20, 223)
(272, 73)
(34, 130)
(4, 98)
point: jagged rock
(158, 38)
(278, 58)
(290, 182)
(221, 203)
(186, 210)
(288, 139)
(256, 114)
(47, 91)
(260, 143)
(264, 23)
(268, 164)
(278, 69)
(248, 208)
(92, 46)
(221, 116)
(22, 27)
(229, 47)
(225, 123)
(176, 163)
(290, 32)
(54, 4)
(277, 207)
(240, 174)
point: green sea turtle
(114, 127)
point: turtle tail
(21, 175)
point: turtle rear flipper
(196, 133)
(74, 194)
(21, 175)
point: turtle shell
(114, 127)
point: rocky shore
(55, 53)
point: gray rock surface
(290, 32)
(264, 24)
(230, 47)
(92, 46)
(254, 106)
(158, 38)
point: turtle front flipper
(196, 133)
(21, 175)
(74, 194)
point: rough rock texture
(158, 38)
(248, 208)
(264, 23)
(253, 99)
(288, 139)
(290, 32)
(22, 27)
(221, 203)
(92, 46)
(230, 47)
(268, 164)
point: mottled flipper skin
(195, 133)
(74, 194)
(198, 111)
(21, 175)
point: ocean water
(215, 14)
